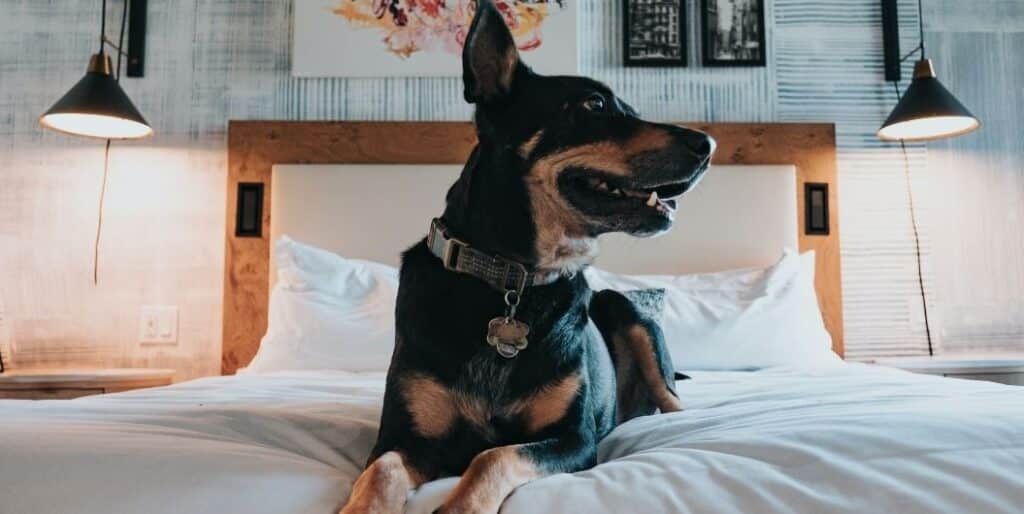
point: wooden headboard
(254, 147)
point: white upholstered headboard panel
(739, 216)
(256, 147)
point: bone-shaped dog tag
(507, 336)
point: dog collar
(498, 272)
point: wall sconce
(97, 106)
(927, 110)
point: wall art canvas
(417, 38)
(654, 32)
(733, 32)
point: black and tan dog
(497, 374)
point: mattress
(852, 438)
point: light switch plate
(158, 324)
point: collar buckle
(449, 255)
(450, 258)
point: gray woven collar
(498, 272)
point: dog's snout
(700, 144)
(704, 146)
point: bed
(856, 439)
(836, 437)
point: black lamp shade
(927, 111)
(97, 107)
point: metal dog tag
(507, 336)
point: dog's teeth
(603, 186)
(653, 199)
(617, 192)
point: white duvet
(850, 439)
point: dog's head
(561, 159)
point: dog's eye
(594, 102)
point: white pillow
(741, 319)
(327, 312)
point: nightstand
(1005, 369)
(64, 384)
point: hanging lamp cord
(917, 235)
(106, 146)
(920, 28)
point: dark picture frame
(751, 46)
(648, 35)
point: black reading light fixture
(97, 106)
(927, 110)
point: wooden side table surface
(1002, 368)
(67, 383)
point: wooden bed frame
(254, 147)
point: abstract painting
(416, 38)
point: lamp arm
(920, 27)
(920, 44)
(918, 48)
(109, 42)
(103, 24)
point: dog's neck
(568, 255)
(492, 212)
(501, 273)
(563, 256)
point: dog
(498, 373)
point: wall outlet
(158, 324)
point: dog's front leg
(383, 486)
(643, 366)
(494, 474)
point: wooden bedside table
(64, 384)
(1004, 369)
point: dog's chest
(483, 396)
(494, 398)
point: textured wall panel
(980, 184)
(212, 60)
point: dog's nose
(701, 144)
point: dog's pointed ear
(489, 57)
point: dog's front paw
(368, 509)
(458, 510)
(355, 508)
(454, 506)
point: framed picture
(733, 32)
(654, 32)
(422, 38)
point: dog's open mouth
(604, 193)
(658, 197)
(641, 204)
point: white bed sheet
(850, 439)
